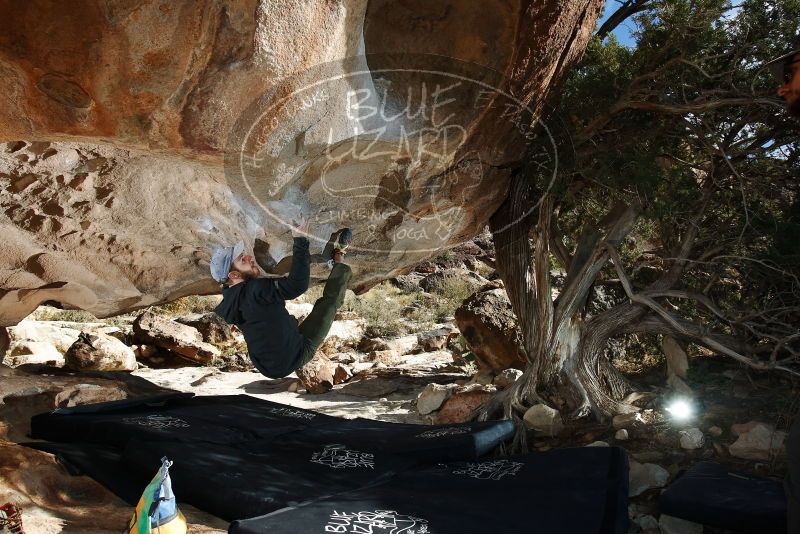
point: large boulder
(487, 322)
(119, 118)
(99, 352)
(180, 339)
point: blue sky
(624, 30)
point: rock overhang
(117, 166)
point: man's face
(790, 89)
(246, 265)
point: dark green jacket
(257, 307)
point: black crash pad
(225, 419)
(239, 456)
(567, 490)
(235, 484)
(713, 495)
(427, 444)
(103, 464)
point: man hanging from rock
(787, 71)
(276, 344)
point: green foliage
(451, 293)
(381, 307)
(684, 126)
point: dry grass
(49, 313)
(188, 305)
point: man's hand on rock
(300, 227)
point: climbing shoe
(336, 248)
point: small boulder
(761, 442)
(506, 378)
(543, 419)
(645, 476)
(407, 282)
(181, 339)
(317, 375)
(342, 334)
(598, 444)
(211, 326)
(403, 345)
(692, 439)
(621, 435)
(460, 406)
(433, 396)
(23, 352)
(647, 522)
(743, 428)
(387, 357)
(715, 431)
(341, 374)
(436, 338)
(483, 376)
(99, 352)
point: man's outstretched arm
(296, 283)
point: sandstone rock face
(137, 138)
(99, 352)
(175, 337)
(487, 322)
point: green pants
(318, 323)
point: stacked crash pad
(711, 494)
(240, 457)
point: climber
(276, 344)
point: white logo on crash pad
(441, 432)
(156, 421)
(493, 470)
(288, 412)
(339, 457)
(376, 522)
